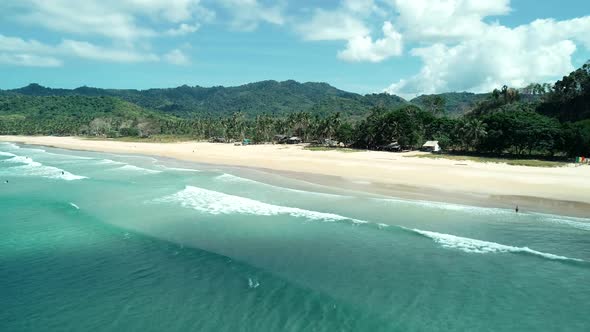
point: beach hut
(431, 146)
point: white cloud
(14, 44)
(29, 60)
(451, 19)
(90, 51)
(116, 19)
(128, 26)
(20, 52)
(361, 7)
(327, 25)
(247, 14)
(348, 22)
(535, 52)
(33, 53)
(183, 29)
(177, 57)
(363, 48)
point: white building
(431, 146)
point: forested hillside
(75, 115)
(270, 97)
(540, 120)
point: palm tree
(474, 131)
(331, 125)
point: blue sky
(406, 47)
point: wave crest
(31, 167)
(216, 203)
(578, 223)
(483, 247)
(137, 169)
(7, 154)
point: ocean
(104, 242)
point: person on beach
(516, 209)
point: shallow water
(133, 243)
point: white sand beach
(367, 170)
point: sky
(403, 47)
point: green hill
(67, 115)
(271, 97)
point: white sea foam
(137, 169)
(446, 206)
(109, 162)
(23, 160)
(253, 283)
(67, 156)
(31, 167)
(228, 178)
(74, 206)
(216, 203)
(7, 154)
(180, 169)
(483, 247)
(11, 145)
(579, 223)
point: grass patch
(151, 139)
(509, 161)
(327, 148)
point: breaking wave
(180, 169)
(109, 162)
(11, 145)
(137, 169)
(575, 224)
(446, 206)
(7, 154)
(216, 203)
(31, 167)
(483, 247)
(578, 223)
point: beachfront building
(431, 146)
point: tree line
(556, 122)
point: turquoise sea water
(129, 243)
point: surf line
(216, 203)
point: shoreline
(563, 191)
(337, 185)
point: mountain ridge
(269, 96)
